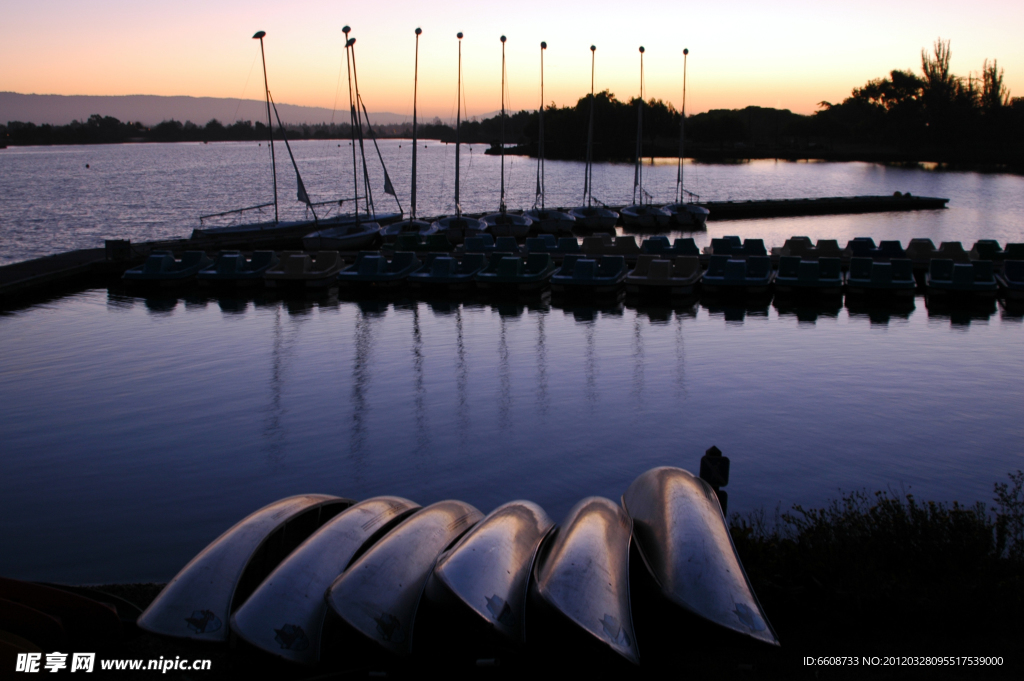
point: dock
(835, 205)
(37, 277)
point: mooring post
(714, 470)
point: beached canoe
(489, 568)
(379, 594)
(582, 573)
(684, 541)
(199, 601)
(285, 615)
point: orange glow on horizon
(789, 56)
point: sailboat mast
(588, 189)
(362, 150)
(540, 144)
(270, 123)
(352, 120)
(682, 133)
(501, 207)
(638, 174)
(415, 85)
(458, 125)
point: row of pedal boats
(315, 577)
(604, 264)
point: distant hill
(153, 109)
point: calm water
(136, 429)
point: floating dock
(835, 205)
(36, 277)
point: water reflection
(960, 311)
(504, 376)
(583, 311)
(160, 305)
(590, 365)
(419, 390)
(461, 380)
(273, 428)
(542, 369)
(361, 375)
(638, 369)
(807, 309)
(879, 310)
(735, 309)
(410, 421)
(117, 300)
(1011, 310)
(233, 306)
(661, 311)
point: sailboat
(263, 229)
(685, 213)
(458, 227)
(412, 225)
(504, 223)
(548, 221)
(589, 217)
(358, 234)
(642, 215)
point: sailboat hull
(645, 217)
(551, 221)
(353, 237)
(459, 228)
(508, 224)
(688, 215)
(593, 219)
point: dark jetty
(833, 205)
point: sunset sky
(790, 54)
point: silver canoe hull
(489, 568)
(285, 615)
(584, 573)
(197, 603)
(379, 594)
(683, 538)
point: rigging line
(302, 195)
(373, 138)
(246, 86)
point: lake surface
(137, 429)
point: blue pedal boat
(868, 276)
(946, 277)
(442, 271)
(508, 272)
(732, 275)
(1011, 279)
(821, 276)
(373, 270)
(657, 275)
(232, 268)
(162, 269)
(580, 275)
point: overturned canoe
(379, 594)
(285, 615)
(489, 568)
(583, 573)
(199, 600)
(683, 539)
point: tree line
(935, 116)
